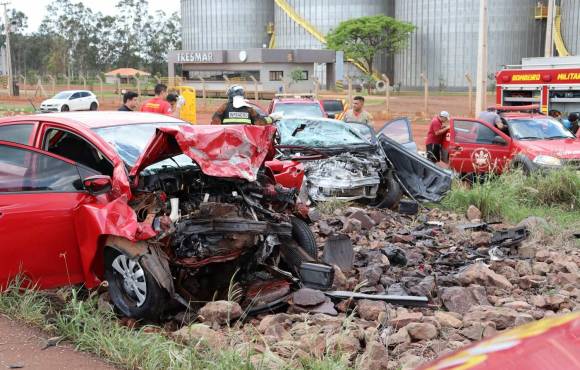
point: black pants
(434, 152)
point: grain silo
(225, 24)
(444, 45)
(570, 10)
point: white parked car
(70, 100)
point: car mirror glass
(499, 140)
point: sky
(36, 9)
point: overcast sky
(36, 9)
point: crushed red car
(162, 210)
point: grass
(99, 332)
(514, 196)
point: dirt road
(21, 347)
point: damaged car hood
(220, 151)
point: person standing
(236, 111)
(437, 130)
(357, 114)
(130, 102)
(159, 103)
(493, 118)
(574, 120)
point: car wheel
(389, 193)
(302, 234)
(64, 108)
(94, 106)
(132, 288)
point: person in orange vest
(159, 103)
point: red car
(147, 202)
(297, 106)
(534, 141)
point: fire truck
(553, 83)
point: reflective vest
(237, 116)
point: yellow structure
(188, 111)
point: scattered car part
(418, 301)
(396, 255)
(338, 251)
(509, 237)
(408, 207)
(316, 275)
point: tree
(362, 38)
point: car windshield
(321, 133)
(538, 129)
(332, 105)
(62, 95)
(130, 140)
(299, 109)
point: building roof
(126, 72)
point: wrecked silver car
(341, 161)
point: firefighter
(237, 111)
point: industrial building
(443, 47)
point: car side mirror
(332, 116)
(98, 184)
(498, 140)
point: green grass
(514, 196)
(27, 108)
(99, 332)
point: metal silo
(444, 45)
(225, 24)
(571, 25)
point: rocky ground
(473, 293)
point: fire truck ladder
(290, 12)
(558, 39)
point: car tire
(305, 238)
(94, 106)
(64, 108)
(389, 194)
(523, 163)
(147, 300)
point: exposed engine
(347, 176)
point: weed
(332, 204)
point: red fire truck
(554, 85)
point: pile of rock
(473, 296)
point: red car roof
(95, 119)
(296, 101)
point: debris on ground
(405, 290)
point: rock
(540, 268)
(308, 297)
(447, 320)
(404, 319)
(372, 274)
(370, 310)
(564, 265)
(524, 268)
(542, 255)
(478, 330)
(531, 281)
(480, 238)
(375, 357)
(537, 225)
(538, 301)
(554, 301)
(479, 273)
(345, 344)
(351, 225)
(277, 332)
(199, 334)
(271, 320)
(401, 336)
(104, 302)
(457, 299)
(518, 305)
(405, 239)
(473, 213)
(378, 217)
(366, 221)
(220, 312)
(396, 256)
(410, 361)
(527, 250)
(509, 272)
(324, 229)
(523, 318)
(421, 331)
(396, 289)
(502, 317)
(340, 281)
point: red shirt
(432, 138)
(156, 105)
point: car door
(475, 147)
(86, 99)
(399, 129)
(75, 101)
(38, 195)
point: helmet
(235, 90)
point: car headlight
(546, 160)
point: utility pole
(481, 83)
(8, 52)
(549, 46)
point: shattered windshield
(320, 133)
(538, 129)
(130, 140)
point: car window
(16, 133)
(75, 96)
(85, 94)
(397, 130)
(471, 132)
(75, 148)
(25, 170)
(62, 95)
